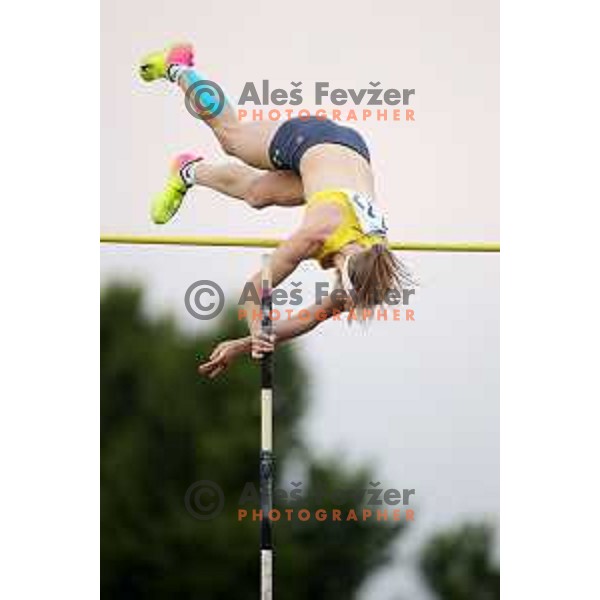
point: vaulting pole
(267, 459)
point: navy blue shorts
(296, 136)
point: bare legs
(257, 188)
(248, 142)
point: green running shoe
(167, 203)
(155, 65)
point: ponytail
(373, 273)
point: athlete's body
(311, 162)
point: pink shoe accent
(183, 159)
(181, 54)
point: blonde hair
(373, 273)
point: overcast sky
(419, 401)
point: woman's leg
(247, 141)
(206, 101)
(258, 189)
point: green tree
(164, 428)
(458, 564)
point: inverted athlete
(310, 162)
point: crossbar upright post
(267, 459)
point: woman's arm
(288, 329)
(226, 352)
(284, 261)
(297, 326)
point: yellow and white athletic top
(362, 222)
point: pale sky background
(420, 401)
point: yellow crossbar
(251, 242)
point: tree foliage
(459, 565)
(164, 428)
